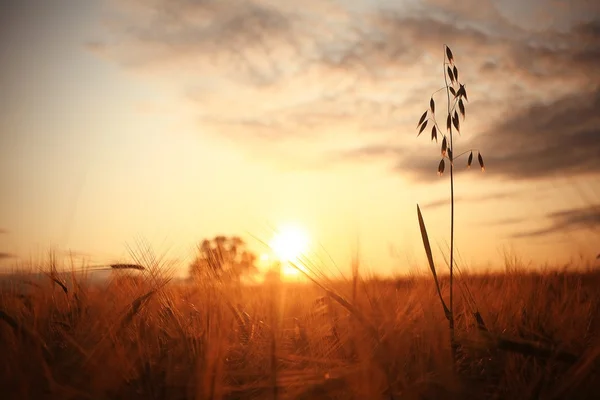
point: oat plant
(456, 97)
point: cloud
(531, 136)
(333, 72)
(369, 152)
(471, 199)
(544, 140)
(3, 231)
(562, 55)
(242, 41)
(566, 221)
(505, 221)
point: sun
(289, 243)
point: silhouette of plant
(456, 96)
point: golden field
(149, 337)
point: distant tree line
(223, 258)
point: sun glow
(289, 243)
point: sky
(170, 121)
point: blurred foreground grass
(146, 337)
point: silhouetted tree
(223, 258)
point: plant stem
(451, 322)
(275, 298)
(440, 89)
(462, 154)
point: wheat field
(148, 337)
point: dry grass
(147, 337)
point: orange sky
(174, 121)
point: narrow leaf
(464, 92)
(455, 121)
(432, 105)
(450, 75)
(448, 123)
(422, 119)
(480, 159)
(449, 54)
(470, 160)
(452, 91)
(444, 147)
(461, 107)
(422, 128)
(441, 167)
(455, 70)
(434, 134)
(427, 247)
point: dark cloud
(567, 221)
(561, 137)
(573, 55)
(544, 140)
(555, 136)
